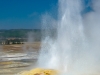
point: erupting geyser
(75, 50)
(72, 52)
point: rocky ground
(18, 57)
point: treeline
(20, 33)
(17, 33)
(36, 34)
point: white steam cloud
(70, 33)
(91, 22)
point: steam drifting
(75, 50)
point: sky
(26, 14)
(23, 14)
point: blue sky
(22, 14)
(26, 14)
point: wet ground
(17, 58)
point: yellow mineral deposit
(39, 71)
